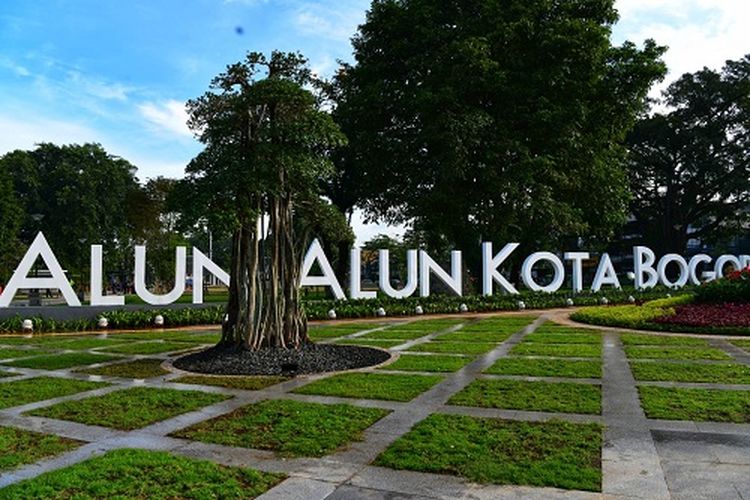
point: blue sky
(118, 72)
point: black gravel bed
(310, 358)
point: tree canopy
(267, 153)
(496, 120)
(690, 163)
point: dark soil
(310, 358)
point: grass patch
(254, 383)
(742, 344)
(532, 396)
(371, 386)
(484, 450)
(431, 363)
(130, 408)
(464, 336)
(79, 344)
(561, 350)
(635, 339)
(719, 373)
(563, 338)
(140, 368)
(61, 361)
(383, 344)
(703, 405)
(661, 352)
(19, 353)
(330, 332)
(394, 334)
(20, 447)
(429, 325)
(149, 347)
(291, 428)
(21, 392)
(471, 348)
(144, 474)
(546, 368)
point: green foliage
(21, 392)
(700, 405)
(688, 165)
(533, 396)
(19, 447)
(495, 120)
(562, 350)
(431, 363)
(245, 383)
(156, 475)
(11, 216)
(149, 347)
(472, 348)
(372, 386)
(61, 361)
(130, 409)
(735, 287)
(661, 352)
(290, 428)
(484, 450)
(717, 373)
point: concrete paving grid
(641, 458)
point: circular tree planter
(308, 359)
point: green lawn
(546, 368)
(371, 386)
(249, 383)
(531, 396)
(61, 361)
(555, 328)
(394, 334)
(719, 373)
(430, 325)
(638, 339)
(383, 344)
(333, 331)
(661, 352)
(21, 392)
(563, 338)
(130, 408)
(554, 454)
(80, 343)
(464, 336)
(471, 348)
(704, 405)
(20, 353)
(559, 350)
(428, 363)
(141, 474)
(290, 428)
(742, 344)
(149, 347)
(140, 368)
(20, 447)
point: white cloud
(335, 21)
(24, 132)
(168, 115)
(98, 88)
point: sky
(119, 72)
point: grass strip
(554, 454)
(428, 363)
(249, 383)
(677, 353)
(144, 474)
(20, 447)
(61, 361)
(561, 350)
(718, 373)
(471, 348)
(546, 368)
(19, 353)
(21, 392)
(532, 396)
(701, 405)
(290, 428)
(468, 336)
(383, 344)
(563, 338)
(149, 347)
(641, 339)
(371, 386)
(138, 369)
(130, 408)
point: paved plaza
(641, 456)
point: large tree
(11, 215)
(493, 120)
(267, 150)
(690, 163)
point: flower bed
(709, 315)
(733, 288)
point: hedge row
(319, 309)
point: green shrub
(735, 287)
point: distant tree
(497, 120)
(267, 152)
(690, 165)
(11, 215)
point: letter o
(661, 269)
(557, 265)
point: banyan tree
(267, 143)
